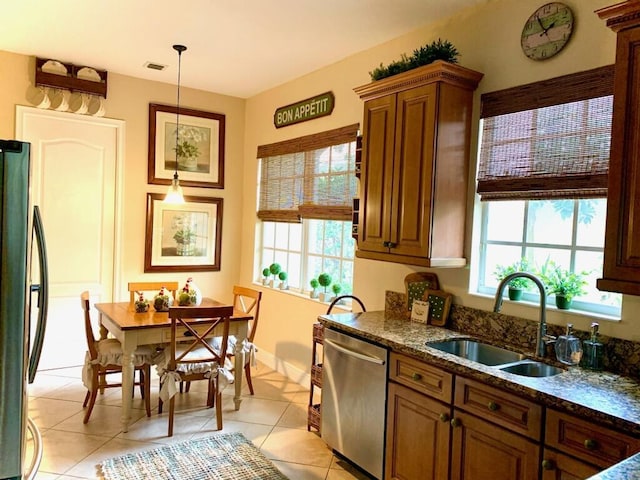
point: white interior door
(74, 181)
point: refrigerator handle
(43, 294)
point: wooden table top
(124, 315)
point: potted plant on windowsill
(314, 288)
(517, 286)
(265, 276)
(282, 276)
(275, 269)
(562, 283)
(324, 279)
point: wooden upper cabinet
(415, 165)
(621, 271)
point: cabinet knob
(590, 444)
(493, 406)
(386, 244)
(416, 376)
(444, 417)
(455, 422)
(548, 464)
(391, 244)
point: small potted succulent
(314, 288)
(162, 301)
(265, 276)
(324, 279)
(283, 280)
(274, 269)
(141, 304)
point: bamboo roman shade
(308, 177)
(547, 139)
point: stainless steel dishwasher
(354, 394)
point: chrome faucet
(542, 338)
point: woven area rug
(227, 456)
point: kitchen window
(306, 190)
(542, 180)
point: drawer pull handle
(455, 422)
(493, 406)
(548, 465)
(416, 377)
(444, 417)
(590, 444)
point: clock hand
(544, 30)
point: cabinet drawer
(595, 444)
(182, 334)
(497, 406)
(421, 377)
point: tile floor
(274, 419)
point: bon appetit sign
(314, 107)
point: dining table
(134, 329)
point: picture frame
(183, 237)
(417, 283)
(202, 143)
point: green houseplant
(314, 288)
(336, 288)
(436, 50)
(517, 286)
(324, 279)
(563, 283)
(265, 275)
(283, 280)
(275, 269)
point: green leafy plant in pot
(283, 280)
(517, 286)
(324, 279)
(336, 288)
(314, 288)
(275, 269)
(563, 283)
(265, 275)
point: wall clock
(547, 31)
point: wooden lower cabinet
(418, 433)
(483, 451)
(556, 466)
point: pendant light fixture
(174, 195)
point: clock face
(547, 31)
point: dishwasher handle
(353, 353)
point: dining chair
(151, 287)
(104, 357)
(190, 357)
(246, 300)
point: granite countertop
(603, 397)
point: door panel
(74, 182)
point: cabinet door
(377, 171)
(482, 451)
(418, 434)
(556, 466)
(413, 171)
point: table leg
(128, 372)
(239, 373)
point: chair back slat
(136, 287)
(88, 328)
(248, 300)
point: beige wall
(489, 41)
(128, 99)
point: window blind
(309, 177)
(547, 139)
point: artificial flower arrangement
(162, 301)
(141, 304)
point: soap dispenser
(568, 347)
(593, 351)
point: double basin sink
(501, 358)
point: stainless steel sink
(531, 368)
(477, 351)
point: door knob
(548, 464)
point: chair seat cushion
(110, 353)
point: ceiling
(235, 47)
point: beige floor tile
(47, 413)
(46, 384)
(297, 446)
(155, 429)
(342, 470)
(47, 476)
(254, 410)
(296, 471)
(295, 416)
(63, 450)
(104, 420)
(113, 448)
(255, 432)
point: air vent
(155, 66)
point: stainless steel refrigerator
(22, 251)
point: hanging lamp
(174, 195)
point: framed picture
(200, 149)
(185, 237)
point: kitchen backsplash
(620, 356)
